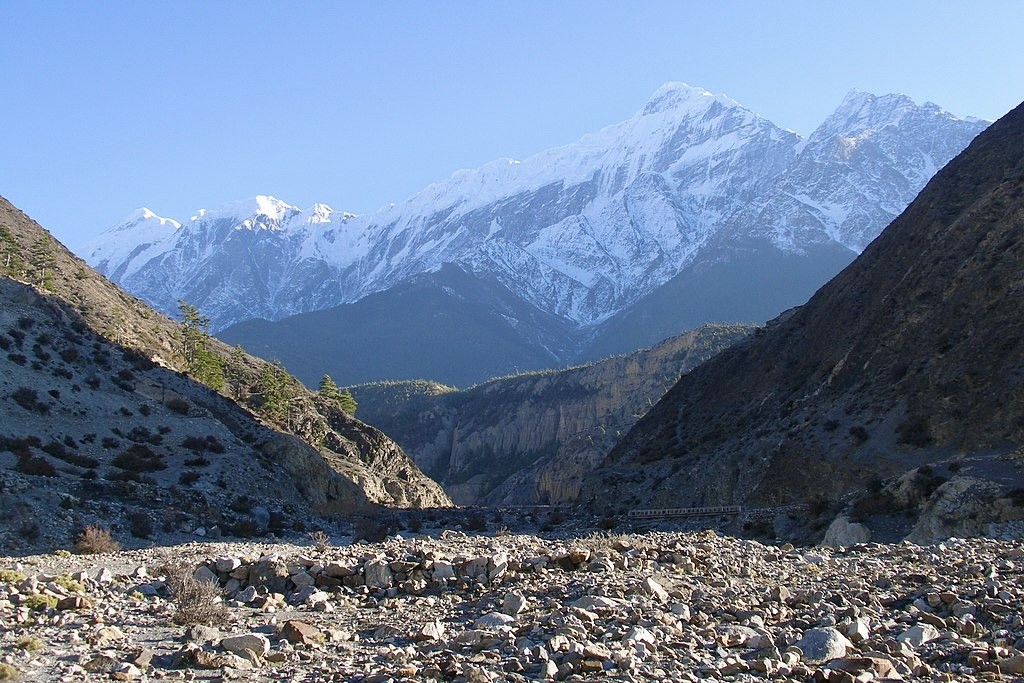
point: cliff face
(531, 438)
(320, 438)
(910, 356)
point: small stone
(432, 630)
(918, 635)
(254, 642)
(299, 632)
(105, 635)
(201, 634)
(823, 644)
(125, 672)
(377, 574)
(655, 589)
(514, 603)
(493, 620)
(205, 574)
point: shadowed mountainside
(912, 356)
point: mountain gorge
(572, 254)
(899, 385)
(531, 439)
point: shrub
(40, 603)
(29, 400)
(8, 672)
(40, 353)
(195, 602)
(69, 584)
(140, 525)
(859, 434)
(110, 442)
(320, 540)
(11, 576)
(95, 540)
(29, 643)
(372, 530)
(476, 522)
(69, 355)
(241, 504)
(36, 466)
(188, 477)
(197, 462)
(138, 458)
(17, 358)
(178, 405)
(145, 410)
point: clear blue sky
(108, 106)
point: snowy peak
(259, 211)
(682, 98)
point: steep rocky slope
(692, 190)
(908, 363)
(93, 358)
(531, 438)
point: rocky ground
(446, 606)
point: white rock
(514, 603)
(494, 620)
(918, 635)
(823, 645)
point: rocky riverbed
(451, 607)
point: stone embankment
(660, 606)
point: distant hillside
(531, 438)
(338, 461)
(909, 364)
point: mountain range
(898, 386)
(693, 210)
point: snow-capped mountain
(581, 232)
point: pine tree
(275, 390)
(41, 258)
(235, 372)
(10, 253)
(342, 398)
(202, 363)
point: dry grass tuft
(195, 601)
(96, 540)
